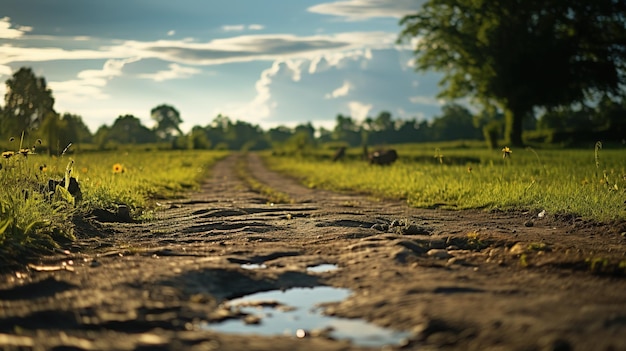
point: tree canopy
(520, 54)
(168, 121)
(28, 101)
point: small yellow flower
(43, 168)
(84, 170)
(506, 152)
(118, 168)
(8, 154)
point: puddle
(304, 314)
(253, 266)
(322, 268)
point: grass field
(38, 199)
(38, 202)
(585, 182)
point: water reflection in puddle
(303, 314)
(322, 268)
(253, 266)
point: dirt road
(466, 280)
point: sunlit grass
(37, 213)
(558, 181)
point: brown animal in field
(339, 154)
(381, 157)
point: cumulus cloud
(90, 83)
(358, 10)
(171, 33)
(341, 91)
(175, 71)
(358, 110)
(6, 32)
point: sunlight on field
(39, 195)
(589, 183)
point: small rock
(456, 260)
(413, 229)
(517, 249)
(529, 223)
(438, 253)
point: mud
(451, 280)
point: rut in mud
(448, 280)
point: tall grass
(589, 183)
(37, 207)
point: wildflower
(8, 154)
(506, 152)
(84, 169)
(118, 168)
(43, 168)
(25, 151)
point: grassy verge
(588, 183)
(39, 195)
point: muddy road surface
(387, 276)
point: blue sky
(271, 62)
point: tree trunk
(514, 125)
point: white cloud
(247, 48)
(242, 27)
(90, 83)
(175, 71)
(6, 32)
(341, 91)
(234, 28)
(5, 70)
(171, 33)
(358, 10)
(256, 27)
(11, 53)
(359, 110)
(426, 100)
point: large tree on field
(28, 101)
(517, 55)
(167, 119)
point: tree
(520, 54)
(79, 131)
(456, 123)
(347, 130)
(28, 101)
(168, 121)
(128, 129)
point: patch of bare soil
(454, 280)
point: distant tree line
(29, 111)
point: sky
(269, 63)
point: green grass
(36, 218)
(588, 183)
